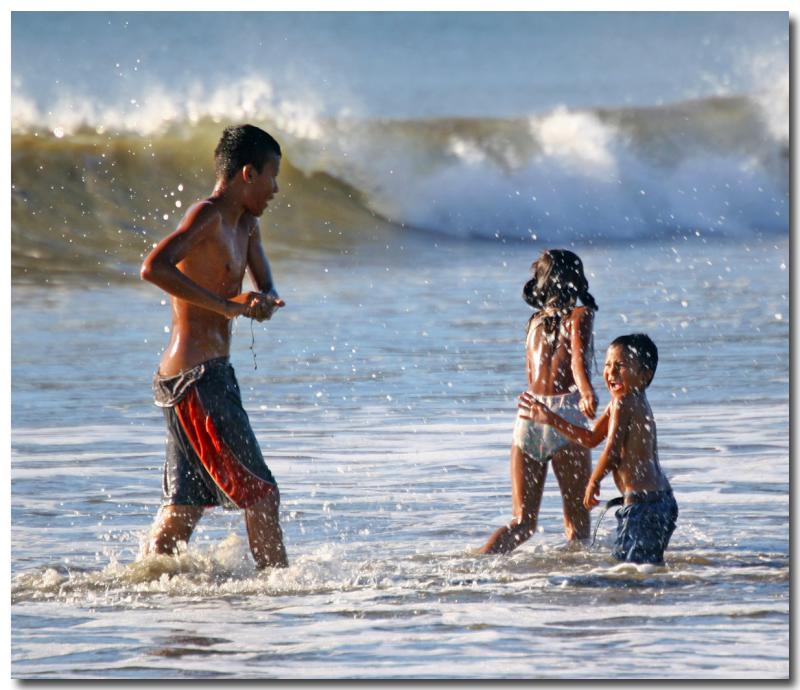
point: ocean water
(384, 400)
(384, 395)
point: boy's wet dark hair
(558, 283)
(241, 145)
(643, 349)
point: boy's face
(623, 373)
(262, 186)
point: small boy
(647, 520)
(213, 457)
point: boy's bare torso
(218, 263)
(638, 469)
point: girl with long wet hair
(559, 351)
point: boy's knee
(273, 497)
(268, 505)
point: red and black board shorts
(213, 457)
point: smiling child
(647, 519)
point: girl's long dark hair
(558, 283)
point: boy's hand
(255, 305)
(238, 305)
(272, 303)
(532, 409)
(592, 496)
(250, 304)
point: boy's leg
(527, 485)
(173, 524)
(264, 533)
(572, 466)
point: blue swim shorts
(644, 527)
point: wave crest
(90, 196)
(251, 97)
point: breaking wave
(92, 189)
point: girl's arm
(581, 337)
(578, 434)
(618, 420)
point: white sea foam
(578, 141)
(561, 175)
(248, 98)
(769, 75)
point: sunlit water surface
(384, 401)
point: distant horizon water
(404, 65)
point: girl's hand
(532, 409)
(591, 497)
(588, 404)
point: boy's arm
(578, 434)
(160, 265)
(618, 422)
(581, 336)
(260, 273)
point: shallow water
(384, 401)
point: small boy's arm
(616, 414)
(577, 434)
(580, 435)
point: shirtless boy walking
(646, 521)
(213, 457)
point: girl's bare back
(557, 349)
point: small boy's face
(262, 186)
(623, 373)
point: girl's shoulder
(539, 317)
(580, 314)
(580, 310)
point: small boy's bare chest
(640, 438)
